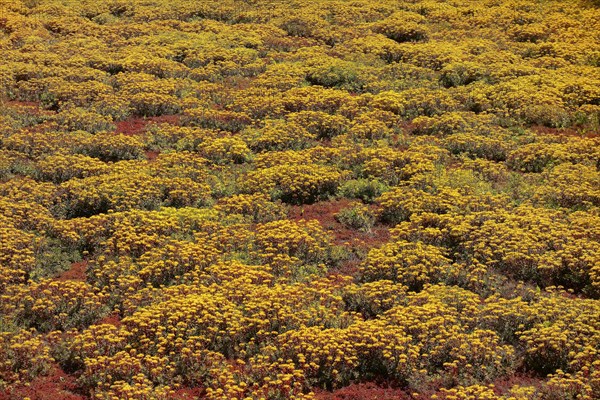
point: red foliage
(57, 385)
(131, 126)
(112, 319)
(325, 212)
(502, 386)
(152, 154)
(75, 273)
(363, 391)
(136, 125)
(189, 393)
(540, 129)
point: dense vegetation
(278, 199)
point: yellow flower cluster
(374, 298)
(411, 264)
(167, 136)
(217, 119)
(294, 183)
(111, 147)
(543, 246)
(130, 188)
(285, 245)
(278, 135)
(403, 26)
(62, 167)
(321, 124)
(400, 203)
(36, 144)
(488, 392)
(393, 166)
(24, 356)
(50, 305)
(224, 150)
(572, 186)
(257, 206)
(17, 255)
(265, 200)
(534, 157)
(77, 118)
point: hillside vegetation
(270, 199)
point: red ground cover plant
(55, 385)
(363, 391)
(76, 272)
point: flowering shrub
(294, 183)
(363, 189)
(535, 157)
(336, 74)
(321, 124)
(51, 305)
(270, 200)
(573, 186)
(24, 356)
(217, 119)
(400, 203)
(278, 135)
(411, 264)
(61, 168)
(79, 119)
(225, 150)
(167, 136)
(17, 253)
(109, 147)
(374, 298)
(258, 207)
(404, 26)
(284, 244)
(476, 146)
(37, 144)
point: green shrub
(366, 190)
(357, 216)
(403, 27)
(112, 147)
(75, 119)
(336, 74)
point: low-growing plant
(356, 216)
(366, 190)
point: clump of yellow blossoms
(262, 200)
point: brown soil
(16, 104)
(502, 386)
(136, 125)
(363, 391)
(356, 242)
(189, 393)
(544, 130)
(407, 126)
(75, 273)
(325, 212)
(131, 126)
(111, 319)
(152, 154)
(57, 385)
